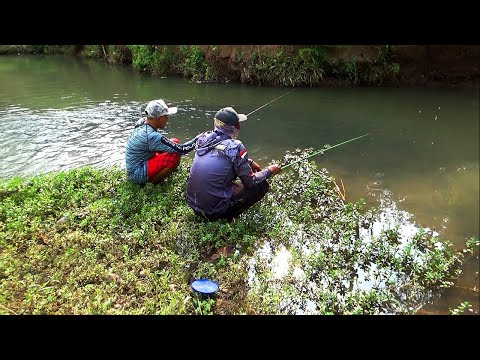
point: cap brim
(172, 110)
(242, 117)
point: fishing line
(270, 102)
(323, 150)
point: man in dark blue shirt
(213, 190)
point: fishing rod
(323, 150)
(270, 102)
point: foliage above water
(310, 66)
(313, 65)
(161, 60)
(87, 241)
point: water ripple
(59, 139)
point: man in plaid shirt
(149, 155)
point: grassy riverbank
(87, 241)
(287, 65)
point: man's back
(209, 187)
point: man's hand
(275, 169)
(255, 167)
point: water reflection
(278, 269)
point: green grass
(88, 241)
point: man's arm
(184, 148)
(159, 142)
(244, 169)
(255, 167)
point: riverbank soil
(418, 65)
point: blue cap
(229, 116)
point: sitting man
(149, 155)
(213, 190)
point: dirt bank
(418, 64)
(436, 64)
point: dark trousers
(242, 200)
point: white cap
(157, 108)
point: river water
(60, 112)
